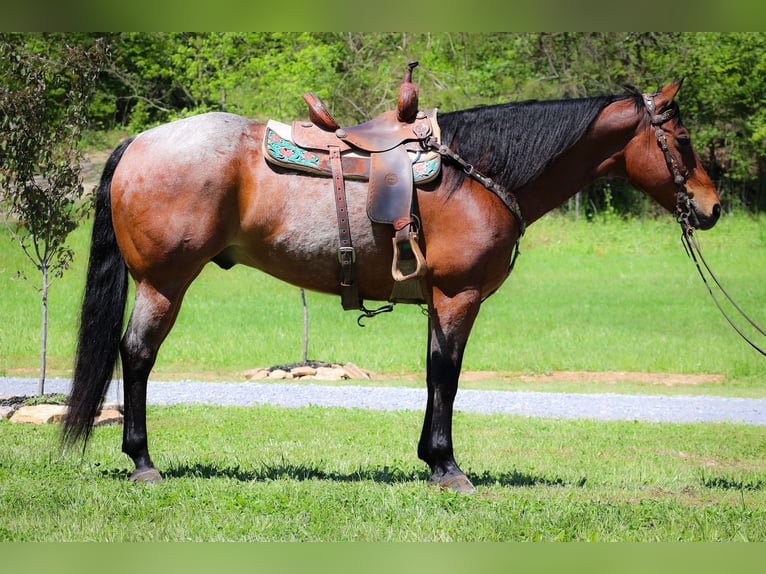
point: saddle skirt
(303, 146)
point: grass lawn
(325, 474)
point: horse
(197, 190)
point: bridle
(683, 203)
(682, 213)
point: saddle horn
(407, 107)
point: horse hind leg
(150, 322)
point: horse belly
(290, 230)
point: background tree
(45, 88)
(160, 76)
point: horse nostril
(716, 210)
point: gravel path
(602, 406)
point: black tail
(102, 316)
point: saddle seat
(381, 133)
(406, 108)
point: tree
(729, 104)
(305, 328)
(44, 97)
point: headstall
(683, 204)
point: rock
(303, 371)
(39, 414)
(308, 370)
(6, 412)
(256, 374)
(330, 374)
(113, 406)
(355, 372)
(107, 417)
(48, 414)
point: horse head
(662, 161)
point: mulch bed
(21, 400)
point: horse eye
(684, 140)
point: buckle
(346, 250)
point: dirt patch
(92, 165)
(609, 377)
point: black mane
(513, 143)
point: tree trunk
(577, 206)
(43, 331)
(305, 328)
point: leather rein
(682, 214)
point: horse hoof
(150, 475)
(458, 483)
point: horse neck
(599, 153)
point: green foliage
(43, 111)
(727, 102)
(159, 77)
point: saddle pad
(279, 149)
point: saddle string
(367, 313)
(682, 214)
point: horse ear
(668, 93)
(673, 88)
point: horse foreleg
(152, 318)
(450, 325)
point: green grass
(609, 296)
(324, 474)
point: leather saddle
(391, 169)
(389, 152)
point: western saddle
(389, 152)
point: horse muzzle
(699, 219)
(691, 215)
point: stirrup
(420, 262)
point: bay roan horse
(197, 190)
